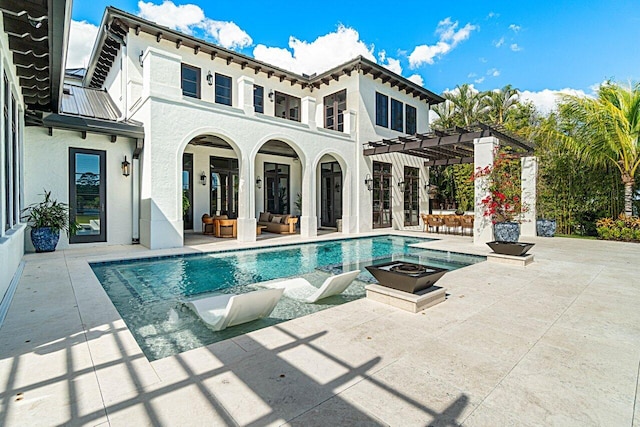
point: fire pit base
(413, 303)
(510, 259)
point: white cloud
(325, 52)
(393, 65)
(417, 79)
(480, 80)
(450, 37)
(494, 72)
(82, 36)
(483, 60)
(514, 47)
(499, 42)
(471, 75)
(546, 100)
(492, 15)
(515, 28)
(190, 19)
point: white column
(135, 202)
(245, 95)
(246, 202)
(484, 150)
(308, 111)
(528, 187)
(161, 74)
(349, 120)
(308, 220)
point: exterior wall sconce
(210, 78)
(271, 95)
(337, 188)
(203, 178)
(401, 186)
(368, 181)
(126, 167)
(259, 183)
(140, 57)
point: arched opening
(331, 192)
(210, 180)
(278, 180)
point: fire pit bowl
(406, 276)
(510, 248)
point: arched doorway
(210, 180)
(331, 191)
(278, 171)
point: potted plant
(502, 204)
(46, 219)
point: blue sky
(538, 47)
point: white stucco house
(159, 116)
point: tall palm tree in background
(446, 115)
(604, 130)
(497, 103)
(467, 103)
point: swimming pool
(148, 292)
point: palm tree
(446, 115)
(467, 103)
(605, 130)
(499, 102)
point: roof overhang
(450, 147)
(38, 33)
(117, 23)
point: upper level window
(411, 120)
(190, 81)
(397, 115)
(334, 106)
(382, 110)
(223, 89)
(258, 99)
(287, 106)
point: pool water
(149, 293)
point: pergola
(449, 147)
(474, 144)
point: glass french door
(276, 193)
(331, 191)
(87, 195)
(187, 189)
(411, 195)
(381, 195)
(224, 186)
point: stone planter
(44, 239)
(506, 231)
(546, 227)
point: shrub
(625, 228)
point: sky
(541, 48)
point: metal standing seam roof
(87, 102)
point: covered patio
(477, 144)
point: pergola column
(484, 150)
(246, 201)
(528, 188)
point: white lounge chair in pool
(221, 311)
(300, 289)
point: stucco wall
(47, 163)
(11, 240)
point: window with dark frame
(382, 110)
(258, 99)
(334, 107)
(411, 125)
(190, 81)
(287, 106)
(397, 115)
(223, 89)
(15, 156)
(7, 157)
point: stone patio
(554, 343)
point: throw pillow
(264, 217)
(276, 219)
